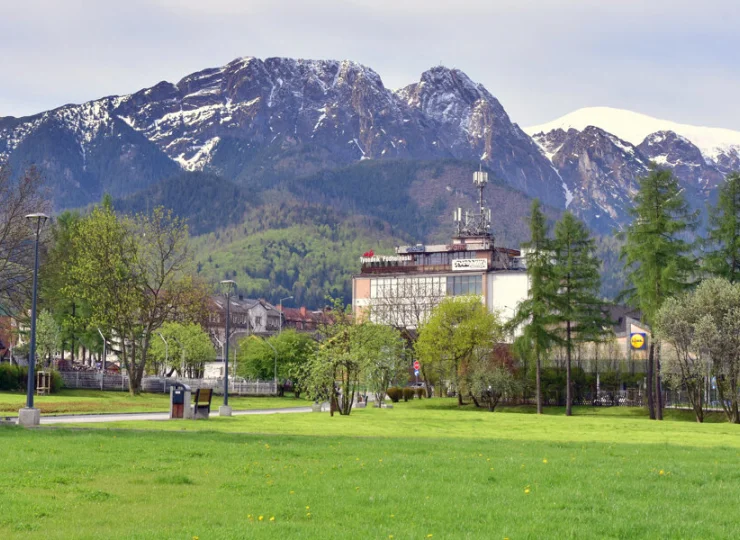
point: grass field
(420, 470)
(95, 401)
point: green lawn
(96, 401)
(420, 469)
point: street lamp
(280, 331)
(29, 416)
(166, 351)
(225, 410)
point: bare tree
(406, 303)
(17, 200)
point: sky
(672, 59)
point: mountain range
(226, 145)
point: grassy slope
(93, 402)
(408, 472)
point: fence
(111, 381)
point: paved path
(126, 417)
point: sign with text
(638, 341)
(469, 264)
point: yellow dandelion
(292, 492)
(526, 491)
(544, 461)
(429, 536)
(393, 515)
(380, 461)
(662, 472)
(261, 518)
(194, 537)
(308, 508)
(272, 518)
(390, 536)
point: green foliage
(723, 236)
(394, 394)
(15, 378)
(658, 259)
(301, 251)
(352, 351)
(256, 357)
(538, 311)
(184, 347)
(459, 335)
(48, 336)
(577, 306)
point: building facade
(402, 289)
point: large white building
(401, 289)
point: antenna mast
(475, 224)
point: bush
(14, 378)
(419, 393)
(394, 393)
(8, 377)
(408, 393)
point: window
(460, 285)
(258, 321)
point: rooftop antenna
(475, 223)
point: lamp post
(29, 416)
(280, 330)
(166, 351)
(105, 350)
(225, 410)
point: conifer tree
(658, 259)
(537, 311)
(577, 302)
(723, 258)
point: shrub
(394, 393)
(419, 393)
(408, 393)
(57, 383)
(9, 377)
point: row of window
(421, 287)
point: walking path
(126, 417)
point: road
(127, 417)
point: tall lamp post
(29, 416)
(280, 331)
(229, 285)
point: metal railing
(116, 381)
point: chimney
(303, 311)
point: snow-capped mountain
(273, 118)
(717, 145)
(601, 152)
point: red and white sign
(417, 365)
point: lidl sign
(638, 341)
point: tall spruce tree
(537, 311)
(723, 238)
(658, 258)
(577, 303)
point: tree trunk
(658, 385)
(475, 401)
(569, 381)
(649, 386)
(538, 382)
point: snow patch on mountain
(635, 127)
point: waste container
(180, 401)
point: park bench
(202, 405)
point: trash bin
(180, 401)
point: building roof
(292, 315)
(239, 304)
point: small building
(304, 320)
(402, 289)
(248, 317)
